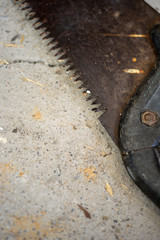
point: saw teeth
(86, 92)
(46, 35)
(82, 90)
(33, 17)
(84, 85)
(30, 14)
(71, 68)
(99, 113)
(43, 34)
(77, 80)
(53, 43)
(48, 41)
(26, 8)
(96, 107)
(55, 47)
(23, 5)
(95, 102)
(68, 64)
(37, 23)
(20, 2)
(57, 51)
(42, 25)
(79, 83)
(61, 56)
(91, 99)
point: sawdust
(34, 227)
(30, 80)
(3, 140)
(133, 71)
(36, 114)
(7, 168)
(90, 148)
(22, 39)
(13, 45)
(4, 62)
(109, 189)
(124, 186)
(21, 174)
(8, 171)
(89, 173)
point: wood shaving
(124, 35)
(21, 174)
(60, 60)
(3, 140)
(103, 154)
(109, 189)
(133, 71)
(30, 80)
(91, 148)
(13, 45)
(4, 62)
(124, 186)
(86, 213)
(36, 114)
(22, 39)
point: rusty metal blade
(107, 42)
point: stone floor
(62, 177)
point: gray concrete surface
(154, 4)
(54, 154)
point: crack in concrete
(27, 61)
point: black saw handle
(139, 134)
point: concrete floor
(55, 157)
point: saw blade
(106, 42)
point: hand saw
(107, 45)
